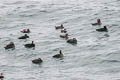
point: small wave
(14, 3)
(110, 61)
(18, 2)
(30, 6)
(114, 25)
(30, 15)
(3, 7)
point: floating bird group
(63, 30)
(104, 29)
(11, 45)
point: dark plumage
(26, 31)
(1, 76)
(64, 36)
(63, 31)
(10, 46)
(102, 29)
(30, 45)
(59, 27)
(94, 24)
(24, 37)
(72, 41)
(37, 61)
(98, 22)
(58, 55)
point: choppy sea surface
(95, 57)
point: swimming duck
(63, 31)
(30, 45)
(25, 31)
(11, 45)
(98, 22)
(24, 37)
(59, 27)
(37, 61)
(64, 36)
(72, 41)
(58, 55)
(102, 29)
(1, 76)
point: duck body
(63, 31)
(26, 31)
(23, 37)
(29, 45)
(59, 27)
(98, 22)
(60, 55)
(10, 46)
(1, 76)
(102, 29)
(57, 56)
(37, 61)
(64, 36)
(72, 41)
(94, 24)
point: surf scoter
(24, 37)
(37, 61)
(26, 31)
(74, 40)
(98, 22)
(30, 45)
(64, 36)
(58, 55)
(59, 27)
(1, 76)
(11, 45)
(102, 29)
(63, 31)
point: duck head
(32, 42)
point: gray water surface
(95, 57)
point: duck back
(57, 56)
(94, 24)
(1, 76)
(37, 61)
(29, 45)
(9, 47)
(101, 29)
(23, 37)
(71, 41)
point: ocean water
(95, 57)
